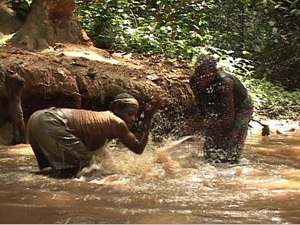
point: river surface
(169, 183)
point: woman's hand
(152, 108)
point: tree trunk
(9, 22)
(50, 22)
(14, 85)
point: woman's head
(206, 66)
(126, 107)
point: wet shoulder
(109, 117)
(97, 117)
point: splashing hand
(152, 108)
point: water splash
(116, 159)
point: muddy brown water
(169, 183)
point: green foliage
(179, 27)
(270, 99)
(275, 24)
(147, 27)
(253, 38)
(27, 2)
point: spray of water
(114, 162)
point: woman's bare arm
(135, 143)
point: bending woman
(65, 139)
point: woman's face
(205, 75)
(128, 114)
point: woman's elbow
(138, 150)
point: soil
(69, 75)
(78, 76)
(91, 64)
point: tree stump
(50, 22)
(14, 84)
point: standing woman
(225, 109)
(65, 139)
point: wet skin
(128, 114)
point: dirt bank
(87, 77)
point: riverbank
(86, 77)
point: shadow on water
(169, 183)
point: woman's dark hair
(123, 100)
(205, 62)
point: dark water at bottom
(169, 183)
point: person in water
(65, 139)
(224, 111)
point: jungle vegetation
(256, 40)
